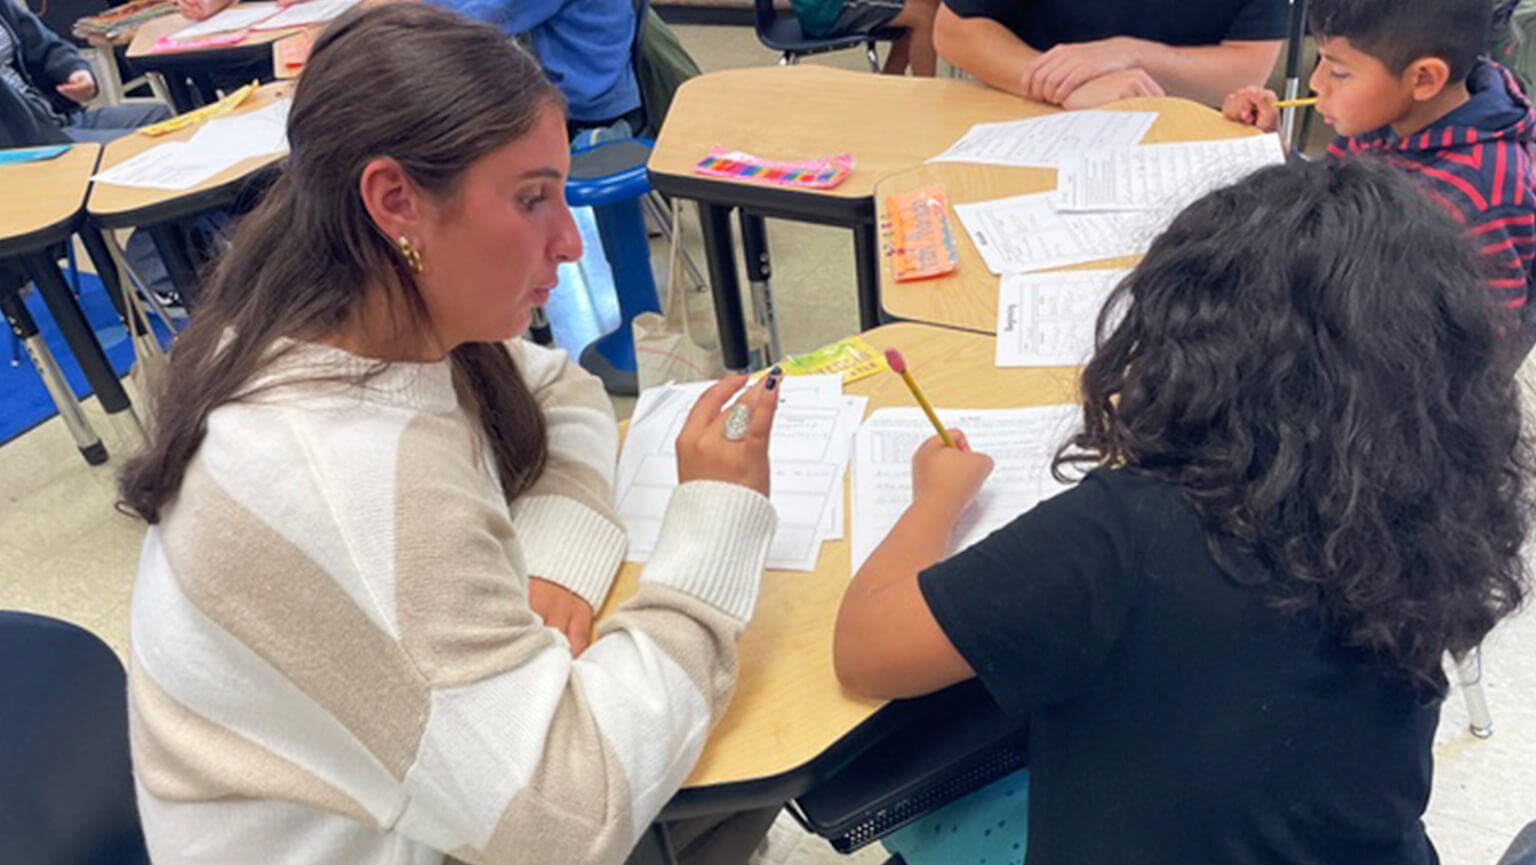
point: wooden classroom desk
(178, 66)
(40, 205)
(967, 297)
(788, 708)
(111, 206)
(888, 123)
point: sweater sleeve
(49, 58)
(565, 523)
(1505, 237)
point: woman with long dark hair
(380, 522)
(1306, 486)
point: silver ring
(736, 421)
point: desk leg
(82, 342)
(171, 242)
(25, 328)
(754, 244)
(109, 274)
(721, 255)
(866, 264)
(180, 91)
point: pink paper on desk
(166, 44)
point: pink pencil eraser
(897, 363)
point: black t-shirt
(1175, 717)
(1045, 23)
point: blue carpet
(24, 402)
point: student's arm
(887, 643)
(44, 52)
(984, 48)
(512, 16)
(201, 10)
(1205, 73)
(565, 525)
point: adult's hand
(703, 451)
(1130, 84)
(79, 86)
(563, 610)
(1054, 75)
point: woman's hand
(703, 451)
(948, 478)
(563, 610)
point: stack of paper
(1159, 176)
(1021, 441)
(812, 436)
(1041, 142)
(305, 14)
(1049, 319)
(219, 145)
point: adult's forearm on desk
(1206, 73)
(984, 48)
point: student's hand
(1054, 75)
(198, 10)
(563, 610)
(80, 86)
(1254, 106)
(948, 477)
(284, 4)
(1130, 84)
(703, 451)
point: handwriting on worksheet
(1027, 233)
(1159, 176)
(1040, 142)
(1048, 319)
(1021, 441)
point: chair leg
(1469, 676)
(872, 55)
(789, 58)
(539, 330)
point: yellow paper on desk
(207, 112)
(853, 358)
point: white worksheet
(1021, 441)
(1048, 319)
(1027, 233)
(1159, 176)
(304, 14)
(218, 145)
(812, 438)
(1041, 141)
(241, 16)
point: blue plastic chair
(610, 178)
(66, 788)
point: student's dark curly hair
(1309, 356)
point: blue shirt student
(583, 45)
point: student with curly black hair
(1306, 487)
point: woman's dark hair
(1309, 356)
(423, 86)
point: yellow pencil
(1296, 103)
(899, 366)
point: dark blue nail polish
(773, 377)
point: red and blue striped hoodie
(1476, 162)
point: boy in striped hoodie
(1404, 80)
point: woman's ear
(1427, 78)
(393, 202)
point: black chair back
(66, 786)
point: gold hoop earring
(411, 254)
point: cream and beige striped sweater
(333, 657)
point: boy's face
(1357, 93)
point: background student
(914, 50)
(379, 528)
(1079, 54)
(1307, 485)
(1403, 80)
